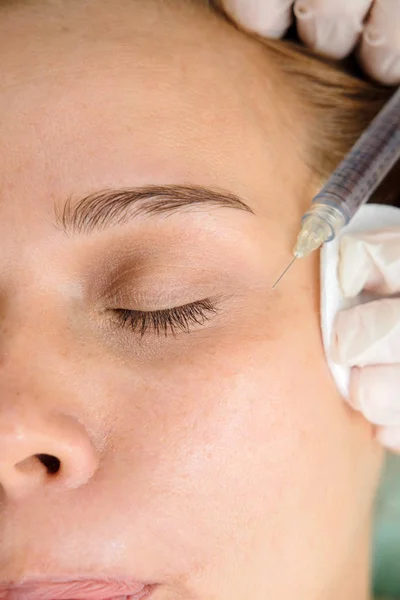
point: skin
(221, 463)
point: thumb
(374, 393)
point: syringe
(353, 182)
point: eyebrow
(115, 207)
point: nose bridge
(29, 371)
(35, 347)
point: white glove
(367, 336)
(332, 28)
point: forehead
(176, 97)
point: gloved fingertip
(380, 43)
(302, 11)
(330, 33)
(373, 37)
(373, 392)
(389, 437)
(379, 59)
(268, 18)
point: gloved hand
(367, 336)
(332, 28)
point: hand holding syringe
(353, 182)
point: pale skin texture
(221, 463)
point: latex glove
(367, 336)
(332, 28)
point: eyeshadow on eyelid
(166, 297)
(128, 279)
(147, 276)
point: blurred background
(387, 532)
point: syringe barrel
(367, 163)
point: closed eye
(167, 321)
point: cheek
(246, 428)
(244, 438)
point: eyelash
(169, 321)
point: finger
(379, 51)
(389, 437)
(331, 27)
(374, 391)
(368, 334)
(269, 18)
(370, 262)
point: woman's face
(202, 443)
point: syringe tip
(314, 232)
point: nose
(43, 450)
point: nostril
(51, 463)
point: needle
(284, 272)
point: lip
(76, 589)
